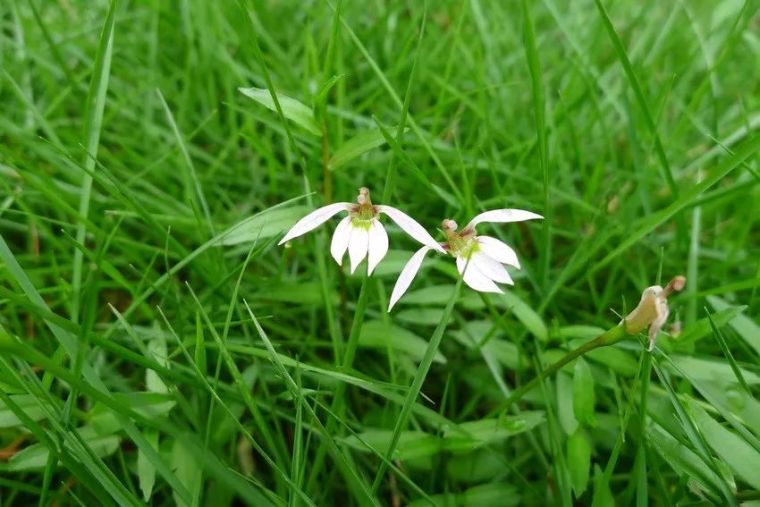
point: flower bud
(449, 225)
(652, 310)
(363, 197)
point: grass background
(132, 273)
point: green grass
(157, 346)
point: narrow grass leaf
(728, 355)
(737, 453)
(651, 222)
(525, 314)
(95, 105)
(263, 225)
(379, 334)
(292, 109)
(419, 379)
(703, 327)
(69, 343)
(683, 460)
(695, 437)
(743, 325)
(359, 487)
(640, 97)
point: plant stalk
(609, 337)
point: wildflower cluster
(481, 260)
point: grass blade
(96, 103)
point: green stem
(356, 327)
(339, 397)
(612, 335)
(414, 390)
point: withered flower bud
(652, 310)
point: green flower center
(462, 245)
(362, 216)
(361, 223)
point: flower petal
(473, 277)
(314, 220)
(503, 216)
(491, 268)
(659, 321)
(378, 245)
(340, 239)
(358, 245)
(646, 311)
(411, 227)
(407, 275)
(498, 250)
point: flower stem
(356, 327)
(414, 390)
(609, 337)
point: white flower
(361, 232)
(480, 259)
(652, 310)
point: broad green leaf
(743, 325)
(378, 334)
(614, 358)
(474, 434)
(602, 492)
(355, 147)
(146, 403)
(411, 444)
(31, 406)
(579, 461)
(263, 225)
(506, 353)
(436, 295)
(477, 466)
(733, 399)
(565, 411)
(525, 314)
(682, 459)
(158, 352)
(466, 437)
(584, 398)
(188, 471)
(292, 109)
(485, 495)
(309, 293)
(741, 457)
(394, 261)
(36, 455)
(420, 316)
(475, 331)
(146, 472)
(711, 369)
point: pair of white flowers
(481, 260)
